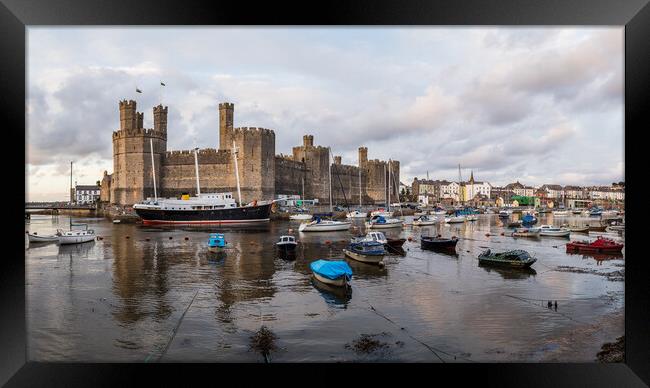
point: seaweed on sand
(263, 341)
(366, 344)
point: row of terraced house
(480, 193)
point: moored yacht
(209, 208)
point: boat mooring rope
(432, 349)
(174, 331)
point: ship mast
(234, 152)
(196, 167)
(153, 172)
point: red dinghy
(601, 244)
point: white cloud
(511, 103)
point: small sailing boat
(336, 273)
(302, 214)
(319, 225)
(380, 222)
(358, 213)
(425, 220)
(365, 251)
(73, 236)
(456, 218)
(76, 236)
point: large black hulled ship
(212, 208)
(209, 208)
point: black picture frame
(16, 15)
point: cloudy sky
(538, 105)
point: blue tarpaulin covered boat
(336, 273)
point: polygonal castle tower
(132, 180)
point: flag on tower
(162, 83)
(138, 90)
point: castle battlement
(144, 132)
(226, 105)
(253, 131)
(127, 104)
(160, 109)
(204, 156)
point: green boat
(515, 258)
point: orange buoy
(328, 242)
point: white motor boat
(38, 238)
(76, 236)
(319, 225)
(549, 230)
(425, 220)
(472, 217)
(561, 213)
(421, 213)
(300, 217)
(455, 219)
(356, 214)
(440, 212)
(380, 222)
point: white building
(450, 190)
(86, 194)
(473, 188)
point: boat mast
(234, 152)
(359, 187)
(389, 185)
(196, 167)
(153, 172)
(385, 199)
(71, 194)
(330, 180)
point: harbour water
(149, 294)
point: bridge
(58, 206)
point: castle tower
(160, 118)
(132, 179)
(127, 115)
(308, 140)
(226, 119)
(337, 160)
(363, 155)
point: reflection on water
(336, 296)
(118, 298)
(510, 273)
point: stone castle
(263, 175)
